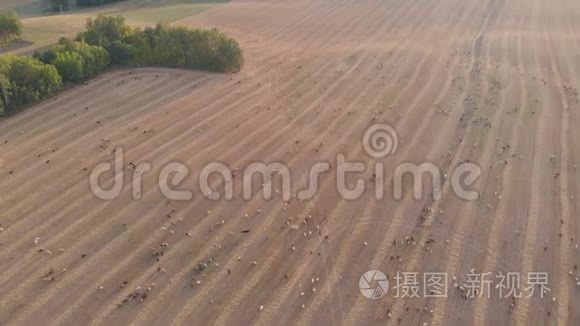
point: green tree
(47, 56)
(30, 80)
(69, 65)
(96, 58)
(4, 84)
(121, 53)
(104, 30)
(229, 56)
(68, 55)
(10, 26)
(184, 48)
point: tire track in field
(529, 247)
(399, 214)
(468, 213)
(564, 196)
(573, 226)
(494, 241)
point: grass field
(164, 14)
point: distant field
(43, 28)
(164, 14)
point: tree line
(107, 41)
(164, 45)
(65, 5)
